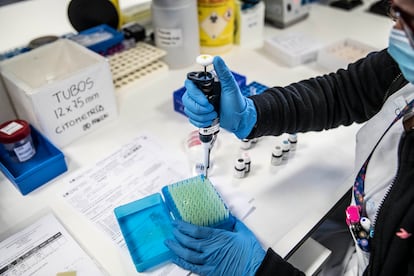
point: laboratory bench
(289, 200)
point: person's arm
(341, 98)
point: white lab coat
(382, 166)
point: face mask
(401, 51)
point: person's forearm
(341, 98)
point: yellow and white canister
(216, 23)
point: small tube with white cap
(293, 140)
(246, 144)
(277, 155)
(247, 161)
(285, 149)
(239, 168)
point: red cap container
(15, 136)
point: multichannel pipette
(208, 83)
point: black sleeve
(328, 101)
(273, 264)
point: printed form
(137, 169)
(38, 250)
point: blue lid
(99, 38)
(145, 225)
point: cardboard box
(62, 88)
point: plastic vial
(277, 155)
(247, 161)
(176, 30)
(285, 149)
(239, 168)
(293, 140)
(16, 138)
(246, 144)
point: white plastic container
(176, 31)
(216, 20)
(292, 48)
(340, 54)
(63, 89)
(250, 22)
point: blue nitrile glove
(211, 251)
(196, 106)
(237, 113)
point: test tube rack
(138, 63)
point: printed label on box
(76, 105)
(169, 37)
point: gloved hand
(210, 251)
(237, 113)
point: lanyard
(359, 183)
(360, 226)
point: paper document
(137, 169)
(44, 248)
